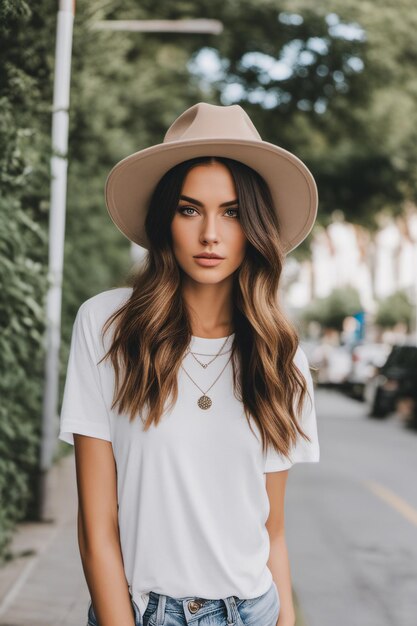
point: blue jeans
(191, 610)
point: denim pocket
(261, 610)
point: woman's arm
(98, 531)
(278, 561)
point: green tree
(331, 310)
(393, 309)
(24, 171)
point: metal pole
(213, 27)
(62, 76)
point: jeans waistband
(190, 607)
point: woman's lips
(206, 262)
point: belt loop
(160, 611)
(232, 613)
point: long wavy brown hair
(152, 329)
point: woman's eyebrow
(194, 201)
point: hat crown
(206, 130)
(206, 121)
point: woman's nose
(209, 230)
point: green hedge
(24, 183)
(21, 361)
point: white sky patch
(318, 44)
(268, 100)
(232, 93)
(320, 105)
(355, 63)
(293, 19)
(291, 51)
(306, 57)
(271, 100)
(208, 64)
(350, 32)
(276, 69)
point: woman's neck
(210, 308)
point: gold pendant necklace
(205, 402)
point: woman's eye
(181, 209)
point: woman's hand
(286, 619)
(286, 622)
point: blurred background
(336, 83)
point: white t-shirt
(191, 491)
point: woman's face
(207, 220)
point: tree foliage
(23, 180)
(394, 309)
(332, 310)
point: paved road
(351, 520)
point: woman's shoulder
(98, 308)
(301, 360)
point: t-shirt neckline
(212, 343)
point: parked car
(365, 359)
(334, 363)
(395, 380)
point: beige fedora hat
(211, 130)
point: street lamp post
(60, 120)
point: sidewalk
(44, 584)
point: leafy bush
(395, 308)
(24, 174)
(331, 311)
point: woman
(187, 395)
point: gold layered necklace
(204, 401)
(215, 356)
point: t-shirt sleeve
(84, 409)
(304, 451)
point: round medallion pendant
(204, 402)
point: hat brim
(131, 182)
